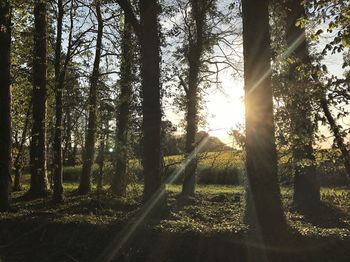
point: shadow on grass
(326, 215)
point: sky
(225, 108)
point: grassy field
(209, 227)
(83, 226)
(226, 168)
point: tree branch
(130, 15)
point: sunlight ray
(290, 49)
(130, 229)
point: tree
(264, 208)
(5, 105)
(119, 181)
(57, 142)
(338, 138)
(19, 159)
(196, 48)
(39, 183)
(60, 74)
(21, 89)
(147, 31)
(90, 138)
(201, 27)
(306, 186)
(335, 94)
(151, 104)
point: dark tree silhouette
(147, 31)
(60, 74)
(5, 105)
(196, 40)
(19, 160)
(264, 208)
(338, 138)
(306, 186)
(39, 183)
(151, 104)
(90, 139)
(57, 140)
(123, 112)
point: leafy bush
(73, 173)
(330, 174)
(223, 168)
(223, 176)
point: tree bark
(5, 105)
(119, 181)
(39, 182)
(306, 185)
(151, 104)
(198, 12)
(90, 139)
(18, 162)
(100, 161)
(264, 208)
(67, 152)
(58, 195)
(335, 129)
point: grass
(225, 167)
(80, 228)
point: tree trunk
(100, 161)
(18, 163)
(57, 140)
(90, 139)
(337, 135)
(306, 185)
(151, 104)
(119, 181)
(264, 208)
(67, 153)
(188, 186)
(198, 12)
(5, 105)
(39, 182)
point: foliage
(82, 227)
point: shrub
(328, 173)
(72, 173)
(229, 175)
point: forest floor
(206, 228)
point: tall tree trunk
(119, 181)
(100, 161)
(67, 153)
(198, 12)
(151, 104)
(264, 208)
(5, 105)
(57, 140)
(18, 163)
(39, 182)
(90, 139)
(335, 129)
(306, 185)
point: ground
(209, 227)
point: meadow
(209, 227)
(227, 168)
(206, 228)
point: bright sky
(225, 108)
